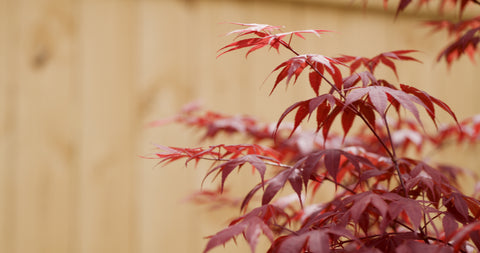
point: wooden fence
(80, 80)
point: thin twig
(343, 96)
(447, 243)
(394, 158)
(391, 153)
(228, 160)
(339, 184)
(404, 225)
(282, 166)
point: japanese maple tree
(465, 32)
(384, 201)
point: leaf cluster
(384, 200)
(465, 32)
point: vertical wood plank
(177, 65)
(106, 179)
(165, 223)
(7, 129)
(43, 160)
(226, 85)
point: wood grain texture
(7, 129)
(106, 46)
(42, 163)
(162, 30)
(81, 79)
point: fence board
(42, 161)
(106, 177)
(163, 31)
(6, 129)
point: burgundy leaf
(327, 123)
(415, 246)
(475, 237)
(264, 37)
(363, 200)
(315, 80)
(227, 167)
(274, 185)
(296, 182)
(302, 112)
(412, 208)
(382, 201)
(318, 63)
(466, 44)
(253, 231)
(315, 241)
(225, 235)
(464, 234)
(367, 111)
(455, 28)
(388, 243)
(251, 225)
(332, 162)
(458, 207)
(322, 103)
(402, 5)
(348, 117)
(254, 28)
(322, 112)
(293, 67)
(308, 166)
(379, 99)
(449, 226)
(371, 63)
(250, 195)
(365, 76)
(428, 102)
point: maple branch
(366, 212)
(447, 243)
(404, 225)
(339, 184)
(425, 230)
(285, 228)
(228, 160)
(287, 46)
(368, 237)
(392, 152)
(431, 220)
(394, 157)
(282, 166)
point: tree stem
(394, 158)
(391, 153)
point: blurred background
(81, 79)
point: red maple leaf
(318, 65)
(263, 36)
(466, 44)
(322, 104)
(372, 63)
(383, 202)
(403, 4)
(251, 225)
